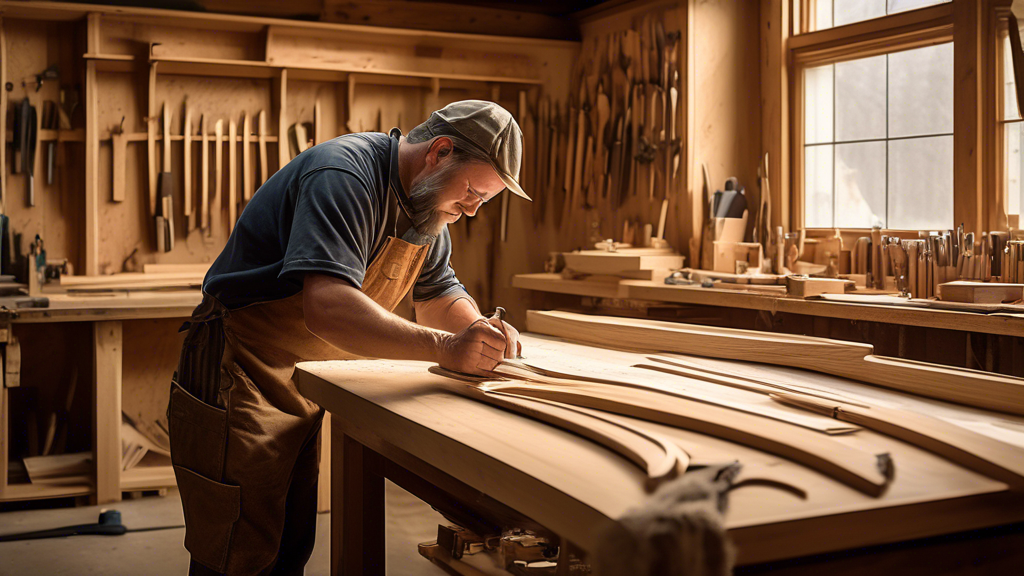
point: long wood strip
(657, 456)
(246, 157)
(847, 359)
(264, 169)
(533, 373)
(186, 130)
(218, 178)
(868, 473)
(989, 456)
(204, 174)
(232, 174)
(689, 370)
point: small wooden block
(12, 364)
(981, 292)
(805, 287)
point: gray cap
(491, 128)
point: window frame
(978, 191)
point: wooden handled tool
(264, 169)
(119, 144)
(246, 158)
(166, 185)
(232, 173)
(186, 172)
(205, 176)
(218, 174)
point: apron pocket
(198, 433)
(211, 510)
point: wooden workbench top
(111, 306)
(577, 488)
(1003, 323)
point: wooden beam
(3, 130)
(968, 36)
(281, 90)
(846, 359)
(775, 110)
(449, 17)
(107, 357)
(92, 160)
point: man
(320, 257)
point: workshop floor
(159, 553)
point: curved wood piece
(985, 455)
(847, 359)
(869, 473)
(660, 458)
(522, 370)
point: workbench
(396, 420)
(152, 356)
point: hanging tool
(165, 206)
(49, 122)
(119, 144)
(204, 175)
(25, 124)
(186, 171)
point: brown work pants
(247, 468)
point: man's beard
(424, 198)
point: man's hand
(513, 349)
(477, 349)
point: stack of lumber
(155, 277)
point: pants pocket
(198, 434)
(211, 510)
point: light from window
(878, 141)
(1013, 131)
(823, 14)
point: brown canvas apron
(247, 467)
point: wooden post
(324, 483)
(357, 518)
(775, 15)
(967, 97)
(107, 351)
(151, 119)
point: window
(824, 14)
(1013, 138)
(878, 140)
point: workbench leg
(357, 507)
(107, 353)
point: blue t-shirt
(326, 212)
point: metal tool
(27, 144)
(49, 122)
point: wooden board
(847, 359)
(988, 456)
(625, 260)
(981, 293)
(805, 287)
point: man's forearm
(343, 316)
(449, 313)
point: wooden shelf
(1007, 324)
(147, 478)
(265, 70)
(30, 491)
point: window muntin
(878, 141)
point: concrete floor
(159, 553)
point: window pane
(821, 15)
(818, 186)
(860, 99)
(1010, 111)
(921, 91)
(1014, 160)
(904, 5)
(850, 11)
(818, 104)
(860, 185)
(921, 183)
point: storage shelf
(30, 491)
(147, 477)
